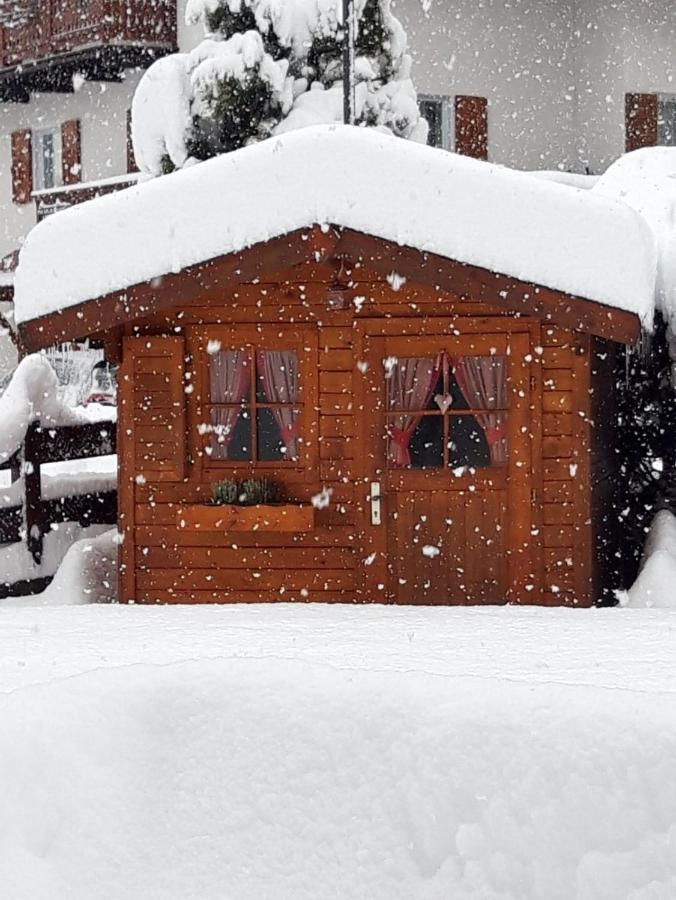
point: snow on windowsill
(475, 212)
(129, 177)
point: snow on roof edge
(474, 212)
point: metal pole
(348, 61)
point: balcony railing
(52, 30)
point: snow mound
(646, 180)
(31, 395)
(341, 754)
(17, 564)
(656, 583)
(506, 221)
(87, 574)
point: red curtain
(410, 385)
(278, 371)
(230, 378)
(482, 381)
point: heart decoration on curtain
(443, 401)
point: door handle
(375, 503)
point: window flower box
(279, 517)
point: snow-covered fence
(36, 515)
(44, 445)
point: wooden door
(445, 422)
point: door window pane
(427, 443)
(483, 382)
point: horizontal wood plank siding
(565, 403)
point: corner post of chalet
(33, 510)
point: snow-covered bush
(266, 67)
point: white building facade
(553, 77)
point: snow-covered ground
(337, 752)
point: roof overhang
(319, 244)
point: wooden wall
(164, 563)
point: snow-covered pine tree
(266, 67)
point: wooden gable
(340, 246)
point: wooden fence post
(35, 524)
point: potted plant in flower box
(250, 505)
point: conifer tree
(270, 66)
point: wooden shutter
(71, 152)
(471, 126)
(640, 120)
(157, 448)
(22, 166)
(131, 159)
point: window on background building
(650, 120)
(435, 109)
(46, 144)
(666, 120)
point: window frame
(300, 339)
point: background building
(535, 84)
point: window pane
(230, 433)
(410, 382)
(230, 376)
(48, 160)
(478, 440)
(482, 381)
(277, 430)
(276, 376)
(666, 122)
(423, 448)
(431, 111)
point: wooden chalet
(453, 425)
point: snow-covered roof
(646, 181)
(474, 212)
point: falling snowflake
(430, 551)
(396, 281)
(388, 364)
(323, 498)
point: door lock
(375, 503)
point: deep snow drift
(337, 752)
(656, 582)
(460, 208)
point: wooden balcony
(58, 39)
(48, 202)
